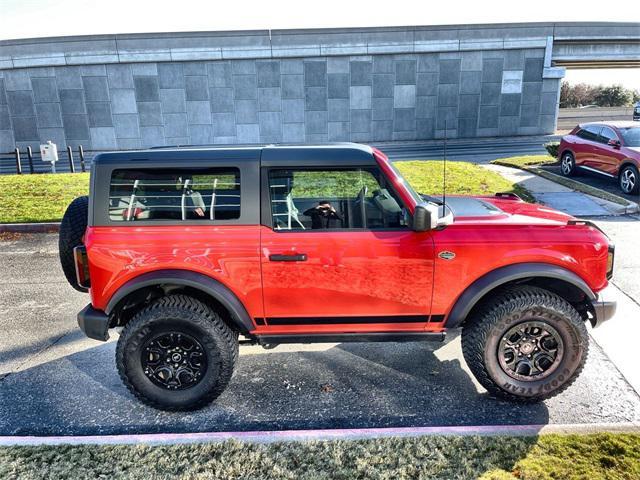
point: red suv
(194, 251)
(608, 148)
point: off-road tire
(482, 333)
(568, 165)
(182, 314)
(72, 228)
(630, 174)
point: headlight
(610, 257)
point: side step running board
(352, 337)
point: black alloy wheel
(525, 344)
(174, 360)
(177, 353)
(531, 350)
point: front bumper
(604, 307)
(94, 323)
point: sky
(45, 18)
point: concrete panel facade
(368, 85)
(317, 99)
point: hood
(503, 209)
(635, 149)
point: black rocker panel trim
(352, 337)
(345, 320)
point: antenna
(444, 170)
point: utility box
(49, 152)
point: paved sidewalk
(619, 336)
(558, 196)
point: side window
(607, 134)
(590, 132)
(174, 194)
(330, 199)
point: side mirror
(426, 217)
(614, 143)
(422, 218)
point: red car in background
(607, 148)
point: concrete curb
(316, 435)
(29, 227)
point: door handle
(294, 257)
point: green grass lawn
(463, 178)
(525, 161)
(39, 198)
(592, 457)
(44, 198)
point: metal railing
(26, 161)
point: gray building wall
(361, 84)
(315, 99)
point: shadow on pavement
(23, 352)
(347, 386)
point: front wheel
(629, 180)
(527, 344)
(177, 354)
(568, 164)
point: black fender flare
(187, 278)
(503, 275)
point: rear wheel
(568, 164)
(72, 228)
(629, 180)
(177, 354)
(527, 344)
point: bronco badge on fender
(447, 255)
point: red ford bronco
(187, 249)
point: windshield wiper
(431, 199)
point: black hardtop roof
(332, 152)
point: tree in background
(583, 94)
(614, 96)
(576, 95)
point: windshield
(631, 136)
(414, 194)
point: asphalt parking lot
(55, 381)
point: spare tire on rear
(72, 227)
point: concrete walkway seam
(317, 435)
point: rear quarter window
(590, 132)
(174, 195)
